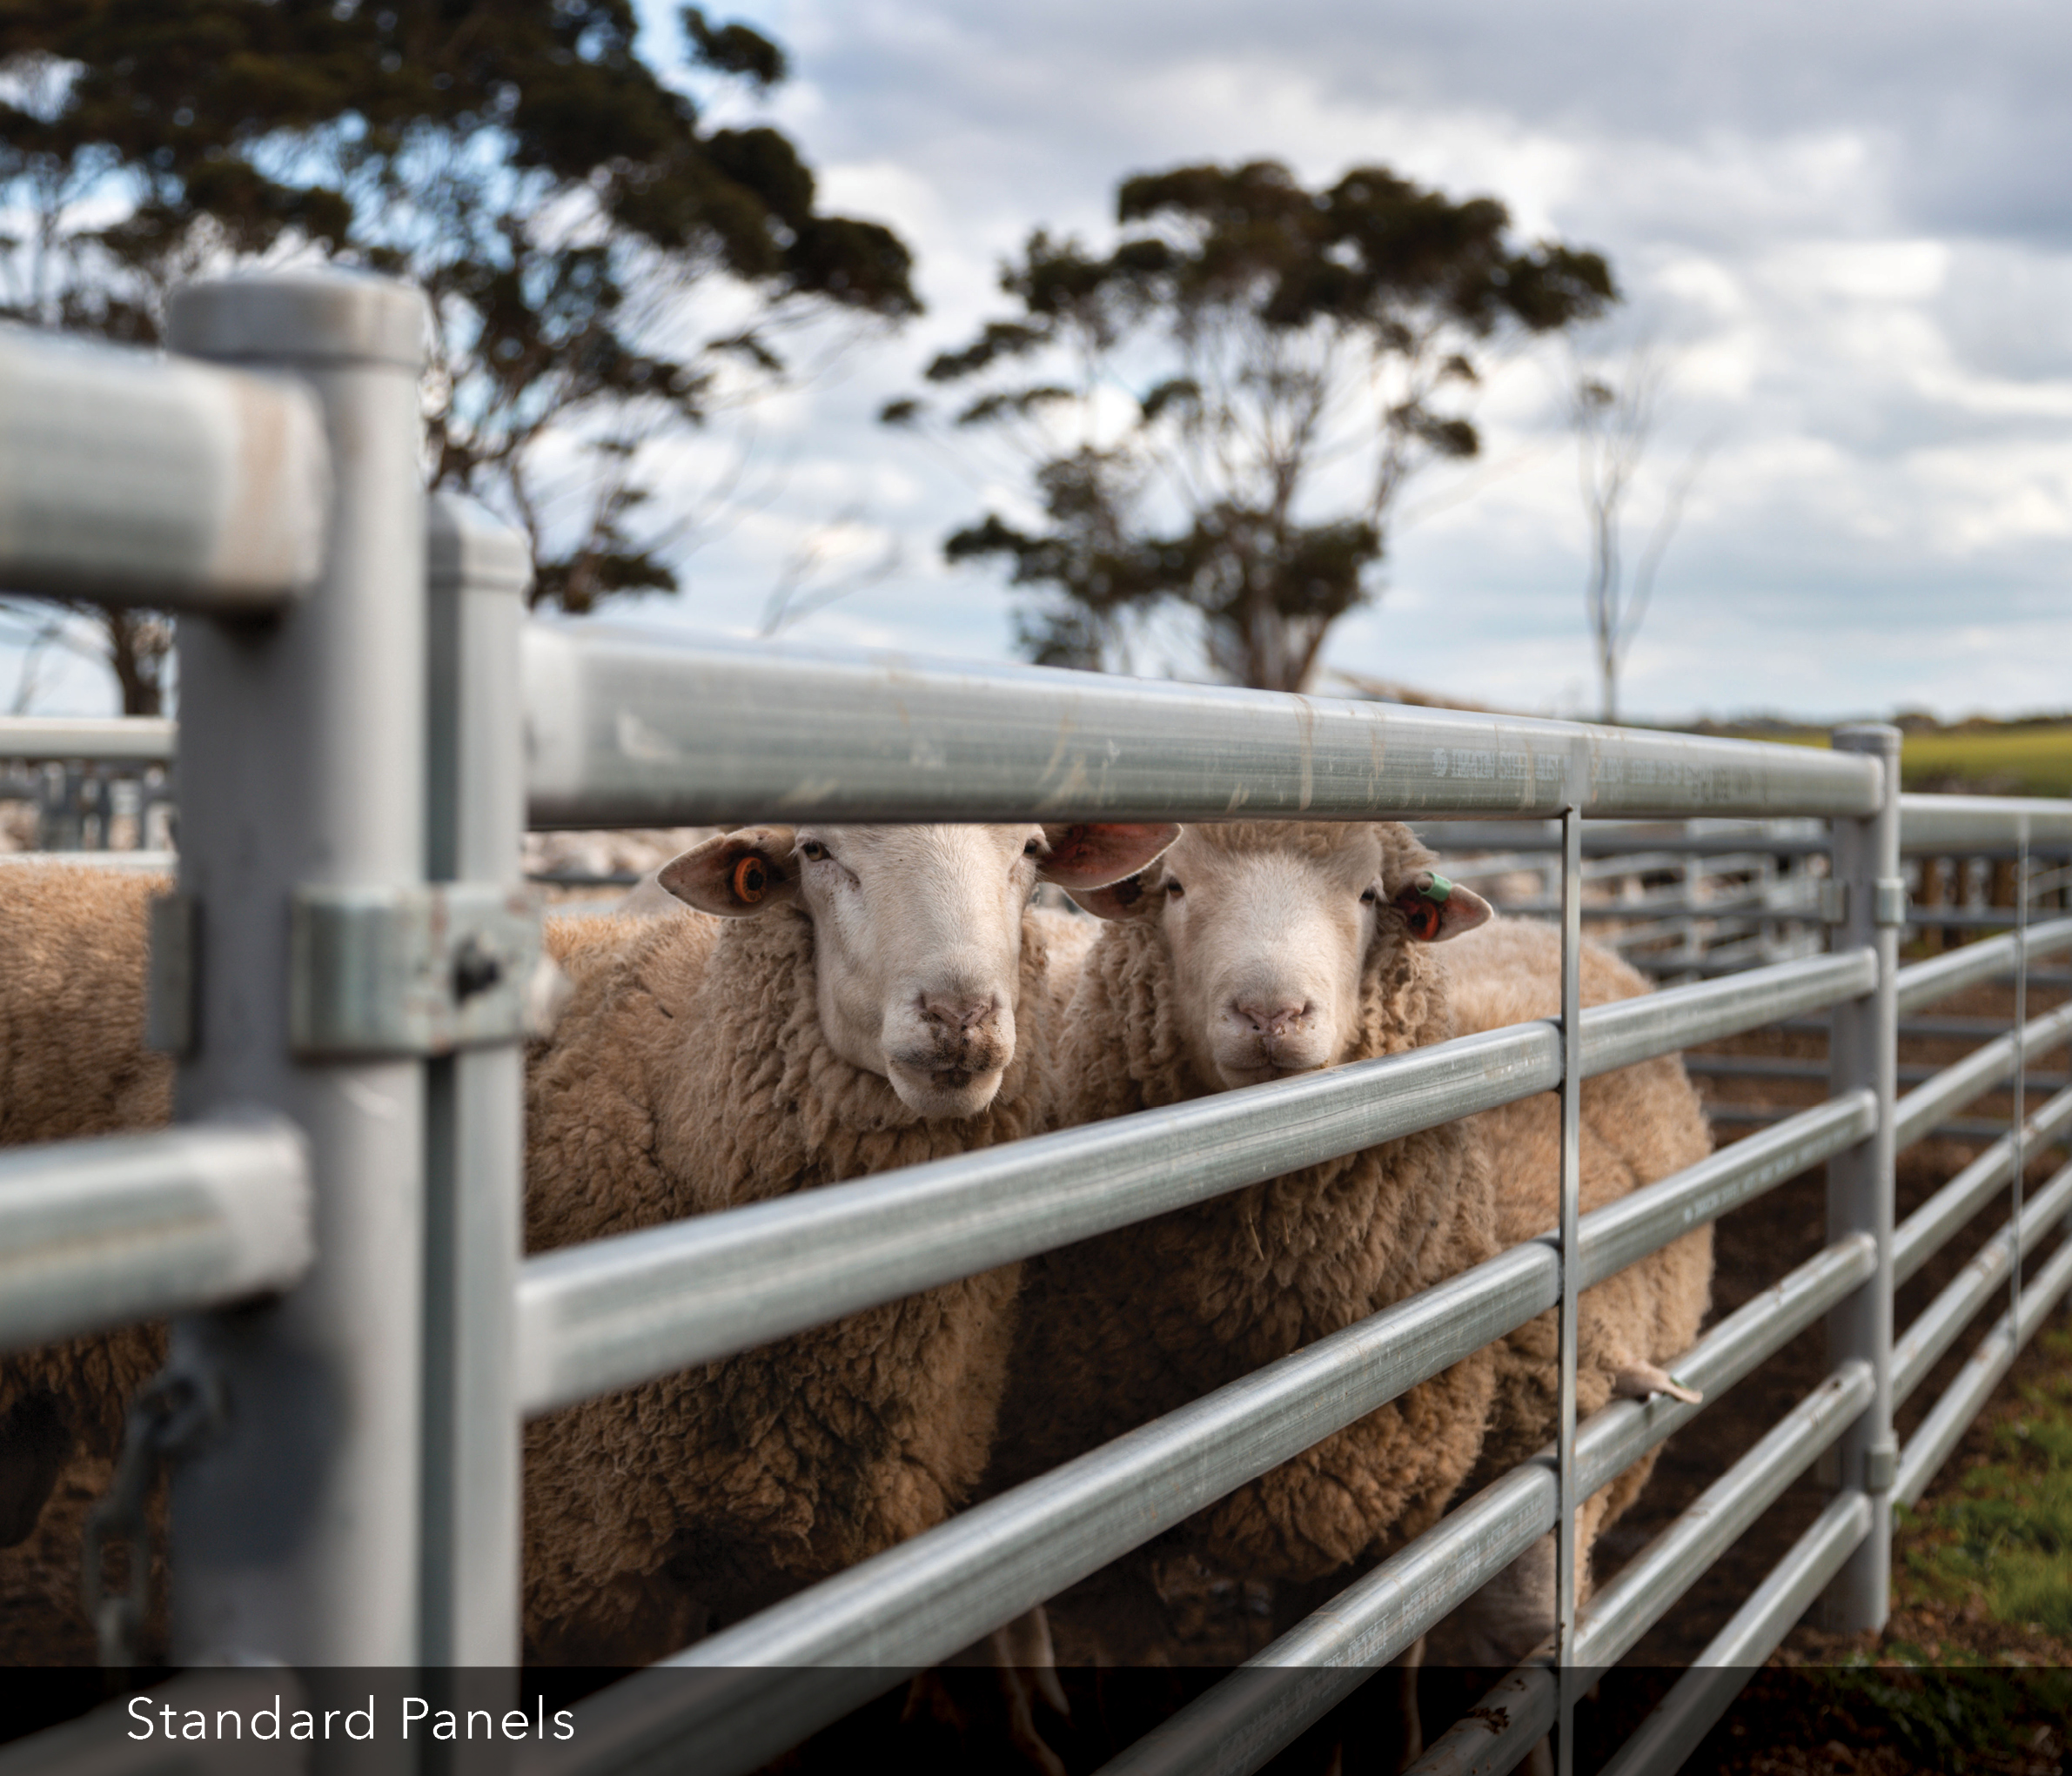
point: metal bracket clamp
(423, 969)
(1881, 1466)
(1890, 908)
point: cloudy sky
(1846, 228)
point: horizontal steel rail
(632, 729)
(1929, 826)
(1245, 1719)
(97, 1234)
(164, 863)
(1653, 1580)
(1978, 1073)
(1776, 1066)
(619, 1310)
(1951, 825)
(141, 740)
(1925, 1232)
(132, 478)
(1694, 1704)
(1937, 1435)
(1936, 1328)
(920, 1602)
(1498, 1733)
(1923, 983)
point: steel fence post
(1571, 1245)
(295, 1526)
(1863, 1052)
(478, 572)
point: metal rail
(627, 729)
(619, 1310)
(99, 1234)
(143, 739)
(1323, 1658)
(134, 478)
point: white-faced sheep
(1638, 1125)
(868, 998)
(1251, 952)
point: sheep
(1249, 953)
(1638, 1125)
(858, 999)
(72, 1064)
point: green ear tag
(1436, 888)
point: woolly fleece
(1122, 1327)
(1639, 1124)
(688, 1074)
(72, 1064)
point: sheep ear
(737, 875)
(1130, 898)
(1094, 856)
(1434, 909)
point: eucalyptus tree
(608, 265)
(1219, 410)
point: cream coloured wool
(1251, 952)
(866, 998)
(1638, 1125)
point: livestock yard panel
(349, 1492)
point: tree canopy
(1219, 411)
(518, 159)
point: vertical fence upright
(1566, 1586)
(303, 755)
(1863, 1051)
(474, 1105)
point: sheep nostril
(1269, 1018)
(958, 1013)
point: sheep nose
(1270, 1017)
(958, 1013)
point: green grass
(2003, 1535)
(2013, 761)
(1988, 760)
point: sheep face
(917, 933)
(1270, 929)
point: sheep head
(1270, 926)
(917, 932)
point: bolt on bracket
(423, 969)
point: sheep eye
(1174, 891)
(1370, 898)
(813, 850)
(1032, 847)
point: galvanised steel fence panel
(399, 1541)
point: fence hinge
(169, 1005)
(1834, 902)
(422, 969)
(1890, 906)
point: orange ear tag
(751, 879)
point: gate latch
(423, 969)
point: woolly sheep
(1639, 1125)
(72, 1064)
(1251, 952)
(887, 1008)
